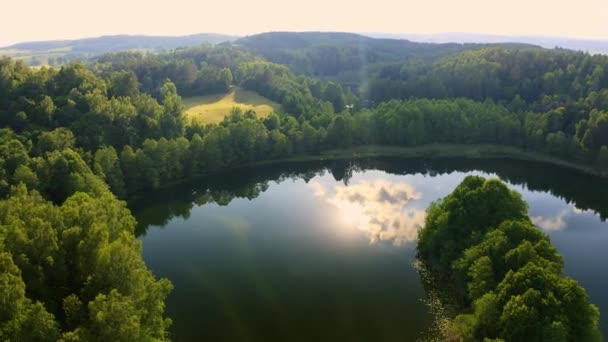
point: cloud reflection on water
(379, 208)
(554, 223)
(394, 210)
(559, 221)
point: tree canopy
(509, 277)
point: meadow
(213, 108)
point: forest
(505, 276)
(78, 140)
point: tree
(56, 140)
(476, 206)
(279, 144)
(272, 121)
(310, 138)
(130, 169)
(24, 174)
(44, 113)
(20, 319)
(107, 166)
(334, 94)
(212, 80)
(124, 83)
(513, 275)
(482, 277)
(172, 120)
(340, 132)
(58, 260)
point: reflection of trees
(159, 214)
(159, 207)
(343, 170)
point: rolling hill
(587, 45)
(334, 53)
(65, 50)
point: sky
(27, 20)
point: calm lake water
(326, 251)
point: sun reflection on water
(379, 208)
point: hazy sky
(25, 20)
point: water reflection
(581, 191)
(273, 232)
(378, 207)
(556, 222)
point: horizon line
(397, 35)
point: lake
(325, 251)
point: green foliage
(498, 73)
(514, 286)
(123, 84)
(55, 140)
(107, 167)
(519, 91)
(462, 219)
(212, 80)
(277, 83)
(70, 267)
(344, 56)
(75, 107)
(80, 253)
(20, 318)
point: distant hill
(344, 57)
(107, 44)
(65, 50)
(335, 55)
(588, 45)
(291, 47)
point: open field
(213, 108)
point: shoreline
(475, 151)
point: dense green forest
(504, 274)
(77, 139)
(342, 56)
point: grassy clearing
(213, 108)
